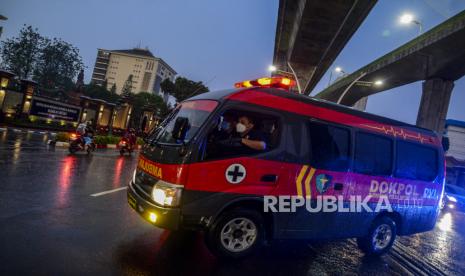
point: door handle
(269, 178)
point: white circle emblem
(235, 173)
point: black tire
(377, 243)
(72, 149)
(233, 218)
(121, 152)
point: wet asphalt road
(51, 225)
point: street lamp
(337, 70)
(357, 81)
(408, 18)
(1, 28)
(273, 68)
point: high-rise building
(115, 66)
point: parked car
(454, 197)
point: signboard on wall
(54, 110)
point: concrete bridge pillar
(434, 104)
(361, 104)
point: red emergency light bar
(279, 82)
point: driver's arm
(254, 144)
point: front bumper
(167, 218)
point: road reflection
(119, 165)
(445, 223)
(64, 180)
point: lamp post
(273, 68)
(359, 82)
(1, 28)
(408, 18)
(337, 70)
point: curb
(18, 130)
(66, 145)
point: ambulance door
(321, 174)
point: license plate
(132, 202)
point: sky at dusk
(221, 42)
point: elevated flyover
(437, 57)
(311, 33)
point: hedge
(98, 139)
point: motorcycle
(124, 146)
(76, 143)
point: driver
(250, 136)
(247, 138)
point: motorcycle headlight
(166, 194)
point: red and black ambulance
(196, 172)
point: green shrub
(62, 137)
(105, 140)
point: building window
(146, 81)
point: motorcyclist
(131, 137)
(88, 134)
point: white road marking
(109, 191)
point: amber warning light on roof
(279, 82)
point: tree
(126, 92)
(183, 88)
(20, 54)
(113, 89)
(146, 101)
(58, 63)
(167, 86)
(98, 92)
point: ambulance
(199, 171)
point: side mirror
(181, 126)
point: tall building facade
(113, 67)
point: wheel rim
(238, 234)
(382, 237)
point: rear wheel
(380, 237)
(121, 152)
(73, 147)
(236, 234)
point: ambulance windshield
(196, 113)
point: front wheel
(236, 234)
(73, 147)
(380, 237)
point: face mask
(240, 128)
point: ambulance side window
(416, 161)
(373, 154)
(224, 141)
(329, 147)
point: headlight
(451, 198)
(166, 194)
